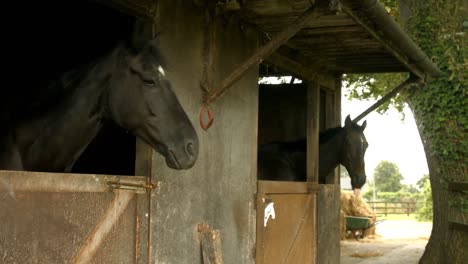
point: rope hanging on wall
(209, 56)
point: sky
(390, 139)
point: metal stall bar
(263, 52)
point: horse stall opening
(53, 38)
(283, 117)
(97, 217)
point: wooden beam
(143, 156)
(30, 181)
(309, 46)
(387, 97)
(285, 187)
(210, 244)
(332, 30)
(458, 226)
(337, 122)
(329, 123)
(313, 109)
(307, 73)
(266, 8)
(275, 23)
(262, 52)
(106, 223)
(458, 186)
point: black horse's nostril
(189, 149)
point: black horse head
(352, 153)
(141, 99)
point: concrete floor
(401, 242)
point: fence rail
(382, 207)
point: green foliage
(409, 188)
(400, 196)
(387, 177)
(392, 7)
(375, 86)
(424, 212)
(423, 181)
(369, 194)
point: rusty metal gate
(286, 222)
(73, 218)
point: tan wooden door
(286, 222)
(72, 218)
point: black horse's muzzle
(357, 182)
(183, 159)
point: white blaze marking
(161, 70)
(269, 211)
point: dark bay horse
(127, 86)
(286, 161)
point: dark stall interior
(52, 37)
(282, 112)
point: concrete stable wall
(219, 189)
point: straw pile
(355, 206)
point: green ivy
(374, 86)
(443, 101)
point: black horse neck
(331, 142)
(330, 146)
(69, 125)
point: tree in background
(409, 188)
(343, 172)
(440, 109)
(425, 211)
(387, 177)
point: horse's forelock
(157, 54)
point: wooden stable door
(60, 218)
(286, 222)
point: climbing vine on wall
(443, 102)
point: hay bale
(355, 206)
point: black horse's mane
(329, 134)
(300, 145)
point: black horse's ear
(348, 121)
(363, 126)
(141, 33)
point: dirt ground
(396, 241)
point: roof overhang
(347, 36)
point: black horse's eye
(149, 82)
